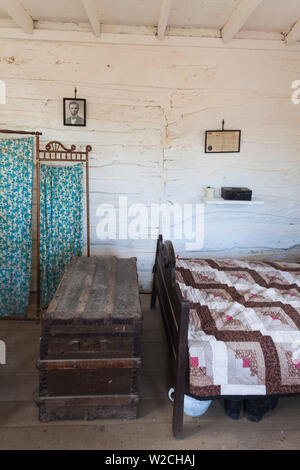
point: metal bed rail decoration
(37, 135)
(55, 151)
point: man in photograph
(74, 119)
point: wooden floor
(21, 429)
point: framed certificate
(222, 141)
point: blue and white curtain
(16, 178)
(61, 210)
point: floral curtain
(61, 213)
(16, 176)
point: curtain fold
(16, 180)
(61, 210)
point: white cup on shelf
(209, 192)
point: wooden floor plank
(141, 436)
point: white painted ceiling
(270, 15)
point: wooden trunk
(90, 344)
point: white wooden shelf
(224, 201)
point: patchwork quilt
(244, 326)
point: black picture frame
(81, 113)
(221, 131)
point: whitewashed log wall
(148, 109)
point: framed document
(222, 141)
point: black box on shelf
(236, 194)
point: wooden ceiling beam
(164, 14)
(92, 12)
(239, 18)
(18, 14)
(294, 34)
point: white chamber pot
(192, 407)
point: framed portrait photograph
(74, 112)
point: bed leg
(178, 414)
(182, 353)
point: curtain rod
(5, 131)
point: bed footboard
(175, 313)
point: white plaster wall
(148, 109)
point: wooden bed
(281, 368)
